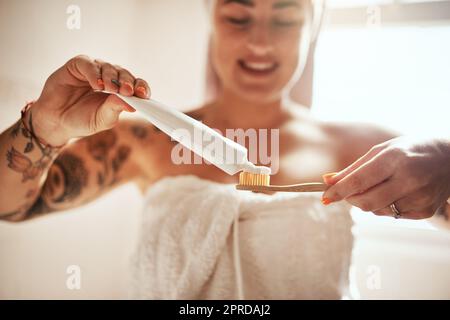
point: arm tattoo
(66, 179)
(11, 215)
(119, 159)
(25, 211)
(67, 176)
(101, 147)
(39, 207)
(20, 162)
(139, 132)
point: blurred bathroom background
(380, 61)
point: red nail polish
(128, 86)
(327, 177)
(100, 83)
(326, 201)
(129, 108)
(141, 91)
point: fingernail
(128, 86)
(100, 83)
(327, 177)
(129, 108)
(326, 201)
(141, 91)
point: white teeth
(259, 66)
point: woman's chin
(259, 95)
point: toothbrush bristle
(254, 179)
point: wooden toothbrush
(261, 182)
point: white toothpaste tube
(231, 157)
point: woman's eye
(283, 23)
(239, 22)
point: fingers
(108, 113)
(102, 75)
(85, 69)
(109, 76)
(335, 177)
(412, 215)
(361, 179)
(126, 81)
(119, 80)
(141, 89)
(417, 205)
(381, 196)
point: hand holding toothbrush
(402, 177)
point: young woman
(258, 50)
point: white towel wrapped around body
(205, 240)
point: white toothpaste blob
(251, 168)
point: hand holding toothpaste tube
(70, 104)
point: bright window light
(398, 77)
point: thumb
(108, 113)
(328, 178)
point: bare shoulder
(362, 135)
(356, 138)
(365, 134)
(348, 140)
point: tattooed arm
(36, 181)
(72, 104)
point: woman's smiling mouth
(258, 68)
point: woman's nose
(259, 41)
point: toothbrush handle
(302, 187)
